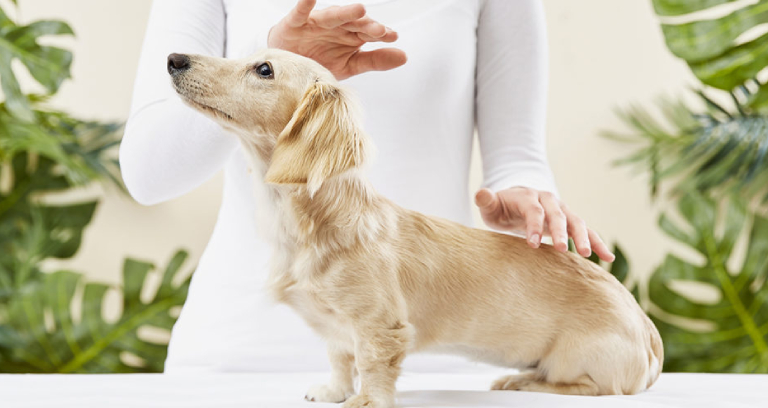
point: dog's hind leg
(532, 381)
(602, 364)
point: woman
(470, 63)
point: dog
(377, 281)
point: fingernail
(534, 240)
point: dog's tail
(655, 354)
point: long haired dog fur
(378, 281)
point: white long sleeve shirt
(471, 63)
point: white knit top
(471, 64)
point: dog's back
(492, 298)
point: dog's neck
(346, 210)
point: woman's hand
(333, 37)
(535, 213)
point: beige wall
(604, 54)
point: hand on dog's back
(333, 37)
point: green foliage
(81, 150)
(52, 322)
(738, 341)
(44, 335)
(48, 65)
(30, 230)
(717, 150)
(715, 159)
(43, 152)
(715, 49)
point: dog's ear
(323, 139)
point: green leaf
(714, 48)
(739, 340)
(704, 39)
(49, 66)
(681, 7)
(41, 334)
(735, 66)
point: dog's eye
(265, 71)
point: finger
(300, 14)
(367, 26)
(390, 36)
(577, 228)
(556, 220)
(487, 201)
(378, 60)
(600, 248)
(534, 215)
(335, 16)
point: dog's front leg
(342, 384)
(378, 354)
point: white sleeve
(169, 149)
(510, 101)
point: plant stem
(119, 331)
(733, 297)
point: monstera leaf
(737, 337)
(49, 66)
(41, 332)
(721, 51)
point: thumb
(487, 201)
(382, 59)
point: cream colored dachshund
(377, 281)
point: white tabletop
(414, 390)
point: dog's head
(290, 108)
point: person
(458, 65)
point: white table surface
(414, 390)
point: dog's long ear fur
(322, 140)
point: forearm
(169, 149)
(512, 71)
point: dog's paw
(324, 393)
(360, 401)
(516, 382)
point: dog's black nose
(177, 63)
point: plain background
(604, 55)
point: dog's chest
(311, 305)
(296, 283)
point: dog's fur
(378, 281)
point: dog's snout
(177, 63)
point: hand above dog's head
(289, 108)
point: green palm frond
(717, 151)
